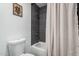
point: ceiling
(41, 4)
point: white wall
(13, 27)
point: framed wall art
(17, 10)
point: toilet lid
(27, 54)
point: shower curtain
(61, 29)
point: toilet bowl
(17, 48)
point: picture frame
(17, 10)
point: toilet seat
(27, 54)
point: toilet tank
(16, 47)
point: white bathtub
(39, 49)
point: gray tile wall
(42, 16)
(38, 23)
(34, 23)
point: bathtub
(39, 49)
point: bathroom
(38, 29)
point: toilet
(17, 48)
